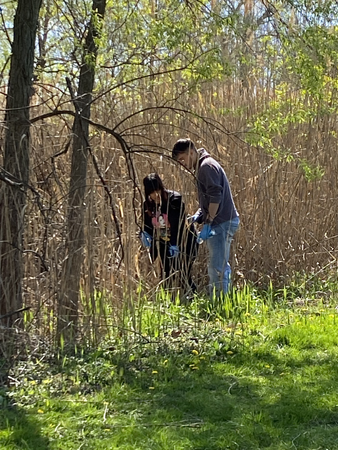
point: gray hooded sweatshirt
(213, 187)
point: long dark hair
(152, 183)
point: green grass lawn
(254, 375)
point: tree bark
(71, 271)
(16, 158)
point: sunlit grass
(254, 370)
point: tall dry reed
(287, 223)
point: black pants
(179, 268)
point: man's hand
(206, 233)
(146, 239)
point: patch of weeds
(252, 371)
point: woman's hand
(174, 251)
(146, 239)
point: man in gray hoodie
(216, 211)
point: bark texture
(16, 158)
(71, 271)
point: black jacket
(174, 232)
(173, 210)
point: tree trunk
(71, 271)
(16, 158)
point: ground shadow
(210, 409)
(19, 430)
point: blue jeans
(219, 269)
